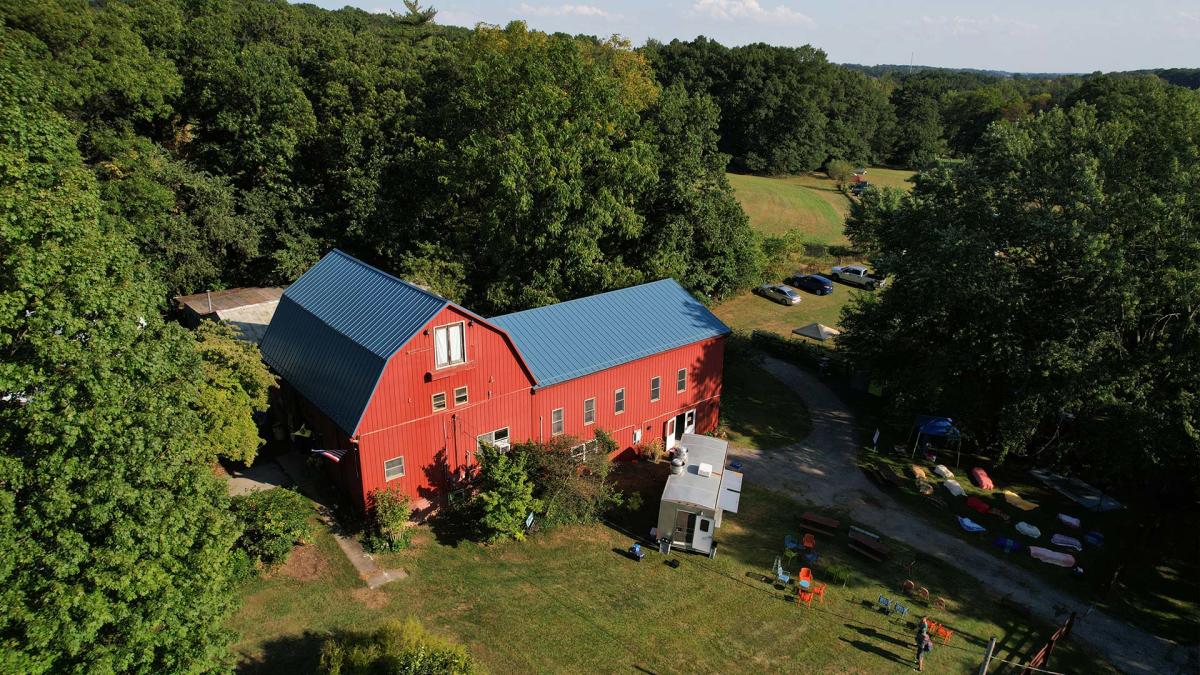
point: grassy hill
(777, 205)
(812, 204)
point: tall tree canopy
(1052, 280)
(114, 534)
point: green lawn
(776, 206)
(759, 411)
(569, 601)
(1160, 587)
(747, 312)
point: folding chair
(781, 577)
(898, 611)
(885, 605)
(819, 591)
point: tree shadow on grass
(877, 650)
(285, 655)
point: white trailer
(698, 491)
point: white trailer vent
(704, 469)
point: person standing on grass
(923, 642)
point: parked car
(813, 283)
(857, 275)
(781, 293)
(857, 188)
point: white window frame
(491, 439)
(656, 388)
(681, 381)
(445, 358)
(589, 413)
(433, 401)
(387, 471)
(619, 401)
(465, 396)
(580, 452)
(561, 423)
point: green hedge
(273, 521)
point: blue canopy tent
(938, 427)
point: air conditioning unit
(705, 469)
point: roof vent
(705, 469)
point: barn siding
(703, 360)
(400, 421)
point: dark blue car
(813, 283)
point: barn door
(669, 435)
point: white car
(857, 275)
(781, 293)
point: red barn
(400, 386)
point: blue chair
(790, 543)
(899, 610)
(885, 604)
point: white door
(670, 434)
(689, 422)
(703, 535)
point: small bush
(652, 451)
(395, 647)
(387, 521)
(839, 171)
(273, 521)
(505, 495)
(634, 501)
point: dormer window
(449, 345)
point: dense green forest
(156, 147)
(1047, 289)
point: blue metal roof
(571, 339)
(335, 329)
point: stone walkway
(292, 469)
(822, 470)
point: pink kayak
(1052, 557)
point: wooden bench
(869, 547)
(820, 524)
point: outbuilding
(699, 491)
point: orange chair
(945, 634)
(805, 596)
(810, 542)
(819, 591)
(805, 575)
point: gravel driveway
(821, 470)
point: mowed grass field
(570, 601)
(812, 204)
(776, 206)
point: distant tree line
(788, 109)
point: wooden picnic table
(820, 524)
(867, 546)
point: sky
(1077, 36)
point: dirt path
(822, 470)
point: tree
(505, 496)
(235, 381)
(114, 534)
(1054, 276)
(573, 488)
(839, 171)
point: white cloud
(736, 10)
(587, 11)
(966, 26)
